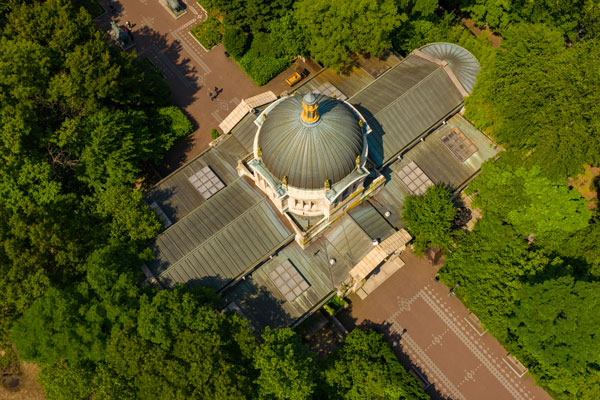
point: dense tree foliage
(79, 120)
(489, 263)
(573, 19)
(235, 41)
(364, 367)
(181, 349)
(532, 204)
(335, 30)
(558, 334)
(530, 267)
(538, 96)
(75, 129)
(429, 218)
(286, 367)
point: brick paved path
(458, 361)
(190, 71)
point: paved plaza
(190, 70)
(460, 360)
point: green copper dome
(462, 63)
(310, 153)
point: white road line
(431, 366)
(168, 64)
(191, 51)
(470, 345)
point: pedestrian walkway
(441, 338)
(190, 70)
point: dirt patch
(588, 184)
(22, 385)
(325, 341)
(476, 213)
(494, 38)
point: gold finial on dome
(310, 109)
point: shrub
(429, 218)
(214, 134)
(209, 33)
(235, 41)
(261, 62)
(173, 124)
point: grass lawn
(92, 6)
(209, 33)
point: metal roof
(258, 296)
(310, 154)
(371, 221)
(404, 104)
(176, 195)
(437, 162)
(462, 63)
(245, 132)
(220, 240)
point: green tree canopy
(537, 97)
(365, 367)
(235, 41)
(74, 323)
(336, 30)
(532, 203)
(79, 119)
(571, 18)
(429, 218)
(183, 348)
(285, 366)
(490, 264)
(553, 323)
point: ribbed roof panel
(310, 154)
(464, 65)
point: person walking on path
(128, 24)
(212, 97)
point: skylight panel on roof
(288, 281)
(414, 178)
(459, 145)
(206, 182)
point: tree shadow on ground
(392, 335)
(182, 77)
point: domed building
(309, 158)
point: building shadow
(375, 138)
(258, 305)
